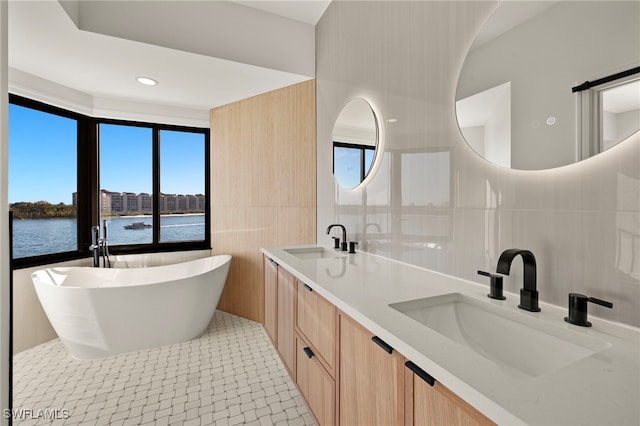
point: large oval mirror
(355, 140)
(551, 83)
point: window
(42, 181)
(153, 186)
(182, 183)
(126, 182)
(351, 163)
(69, 172)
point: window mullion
(156, 185)
(88, 181)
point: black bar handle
(384, 345)
(308, 352)
(307, 287)
(420, 373)
(273, 261)
(601, 302)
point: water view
(34, 237)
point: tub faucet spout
(529, 292)
(99, 246)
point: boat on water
(137, 225)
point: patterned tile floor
(230, 375)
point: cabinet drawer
(430, 403)
(371, 378)
(316, 320)
(315, 384)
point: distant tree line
(41, 210)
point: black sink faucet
(529, 292)
(343, 247)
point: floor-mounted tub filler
(99, 312)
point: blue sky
(42, 158)
(346, 166)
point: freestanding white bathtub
(99, 312)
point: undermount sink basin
(505, 337)
(313, 253)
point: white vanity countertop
(600, 389)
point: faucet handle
(336, 242)
(578, 308)
(495, 285)
(352, 246)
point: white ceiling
(203, 53)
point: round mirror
(547, 84)
(355, 139)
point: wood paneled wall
(263, 186)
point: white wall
(581, 221)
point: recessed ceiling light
(147, 81)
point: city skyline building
(127, 202)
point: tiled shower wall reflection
(436, 204)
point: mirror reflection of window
(355, 138)
(425, 179)
(620, 112)
(425, 188)
(351, 163)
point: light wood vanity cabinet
(347, 375)
(279, 310)
(370, 379)
(428, 402)
(316, 322)
(316, 385)
(286, 319)
(316, 354)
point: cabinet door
(315, 384)
(271, 298)
(371, 380)
(286, 319)
(433, 404)
(316, 320)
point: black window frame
(88, 186)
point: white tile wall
(230, 375)
(581, 221)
